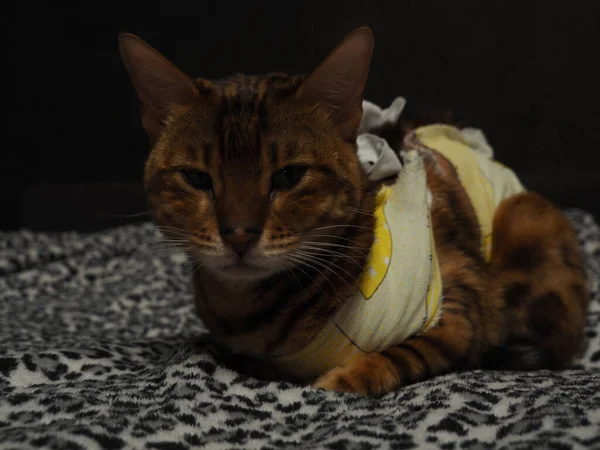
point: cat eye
(287, 178)
(197, 179)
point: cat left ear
(339, 81)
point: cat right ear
(158, 82)
(339, 81)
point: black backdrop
(526, 72)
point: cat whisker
(305, 261)
(173, 230)
(333, 236)
(360, 211)
(318, 259)
(174, 236)
(168, 244)
(363, 213)
(294, 275)
(310, 262)
(169, 240)
(302, 233)
(325, 249)
(194, 263)
(354, 208)
(342, 226)
(328, 252)
(127, 216)
(290, 270)
(330, 244)
(321, 262)
(197, 268)
(167, 248)
(168, 227)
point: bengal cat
(258, 178)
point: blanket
(100, 348)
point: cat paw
(338, 380)
(372, 374)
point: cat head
(250, 171)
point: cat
(259, 177)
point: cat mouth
(243, 270)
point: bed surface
(100, 348)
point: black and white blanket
(100, 348)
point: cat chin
(243, 272)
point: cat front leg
(442, 349)
(456, 342)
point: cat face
(253, 175)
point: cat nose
(241, 239)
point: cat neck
(284, 312)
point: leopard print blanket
(100, 348)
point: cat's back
(466, 164)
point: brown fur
(330, 196)
(525, 309)
(537, 267)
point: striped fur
(525, 310)
(309, 243)
(246, 139)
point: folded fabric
(376, 157)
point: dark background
(526, 72)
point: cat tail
(522, 356)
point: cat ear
(339, 81)
(158, 82)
